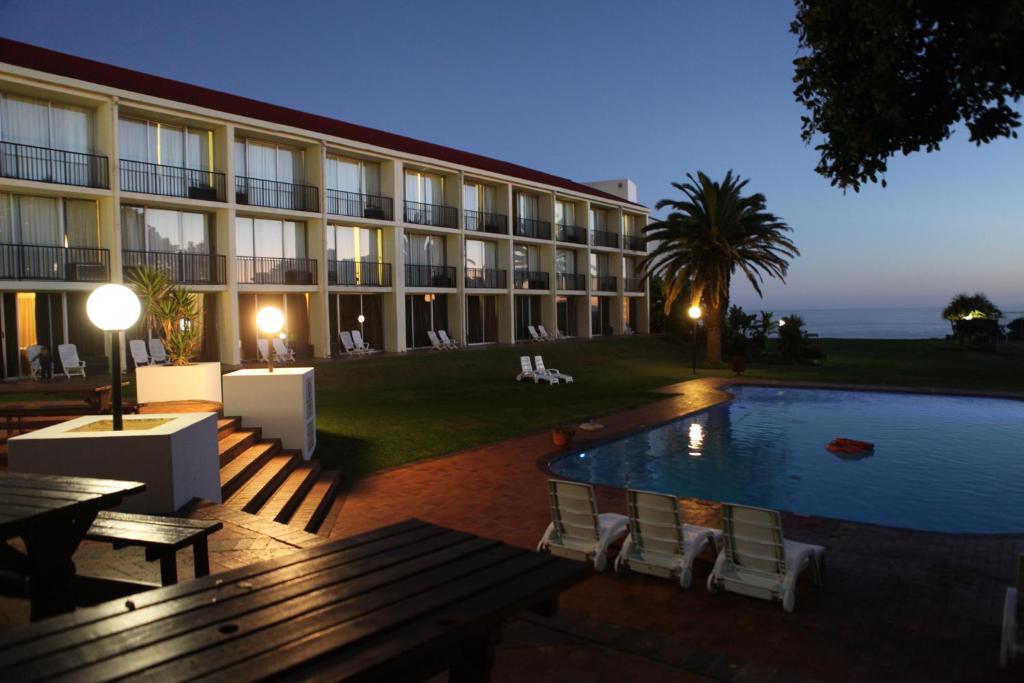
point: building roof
(61, 64)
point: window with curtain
(81, 223)
(599, 265)
(628, 224)
(598, 219)
(565, 213)
(268, 161)
(353, 175)
(481, 254)
(346, 243)
(159, 143)
(525, 258)
(31, 121)
(164, 230)
(478, 197)
(565, 261)
(424, 250)
(47, 221)
(270, 238)
(527, 206)
(425, 188)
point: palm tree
(706, 237)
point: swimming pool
(941, 463)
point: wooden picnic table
(51, 514)
(400, 603)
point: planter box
(177, 460)
(282, 403)
(195, 382)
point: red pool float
(842, 445)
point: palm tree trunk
(713, 355)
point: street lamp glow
(112, 308)
(782, 323)
(361, 318)
(694, 312)
(270, 320)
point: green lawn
(381, 412)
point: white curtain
(565, 261)
(371, 177)
(197, 149)
(70, 128)
(171, 150)
(39, 221)
(565, 213)
(24, 120)
(133, 141)
(163, 232)
(194, 232)
(80, 223)
(598, 219)
(6, 222)
(133, 228)
(260, 160)
(244, 237)
(471, 197)
(425, 250)
(343, 175)
(527, 206)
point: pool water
(940, 463)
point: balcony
(180, 267)
(576, 282)
(28, 162)
(274, 194)
(479, 221)
(486, 278)
(359, 273)
(342, 203)
(431, 214)
(634, 242)
(571, 233)
(531, 227)
(633, 284)
(171, 181)
(605, 238)
(62, 264)
(532, 279)
(429, 276)
(263, 270)
(603, 283)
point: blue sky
(591, 89)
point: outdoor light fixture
(782, 323)
(270, 320)
(113, 309)
(694, 312)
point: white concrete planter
(195, 382)
(177, 460)
(282, 403)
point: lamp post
(113, 309)
(270, 320)
(362, 319)
(694, 313)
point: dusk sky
(593, 90)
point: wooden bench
(162, 537)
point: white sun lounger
(157, 352)
(539, 363)
(435, 343)
(348, 345)
(543, 333)
(756, 559)
(577, 531)
(140, 356)
(68, 354)
(526, 371)
(35, 366)
(281, 352)
(359, 343)
(659, 543)
(446, 340)
(263, 348)
(534, 335)
(1013, 619)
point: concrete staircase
(260, 477)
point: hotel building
(104, 170)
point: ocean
(876, 323)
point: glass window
(31, 121)
(481, 254)
(244, 245)
(527, 206)
(266, 238)
(159, 143)
(598, 219)
(565, 213)
(268, 161)
(565, 261)
(425, 188)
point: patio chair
(349, 345)
(263, 349)
(435, 343)
(35, 366)
(756, 559)
(68, 354)
(627, 330)
(527, 372)
(539, 363)
(577, 531)
(157, 352)
(140, 356)
(359, 343)
(543, 333)
(1013, 619)
(659, 543)
(447, 341)
(282, 353)
(534, 335)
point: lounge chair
(534, 335)
(1013, 619)
(35, 366)
(577, 531)
(435, 343)
(157, 352)
(756, 559)
(357, 341)
(627, 330)
(282, 353)
(68, 354)
(543, 333)
(263, 349)
(140, 356)
(539, 363)
(527, 372)
(349, 345)
(659, 543)
(447, 341)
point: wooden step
(228, 425)
(331, 518)
(255, 492)
(235, 443)
(314, 508)
(286, 499)
(242, 467)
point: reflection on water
(696, 438)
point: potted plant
(562, 436)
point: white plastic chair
(659, 543)
(577, 531)
(157, 352)
(534, 336)
(526, 371)
(435, 343)
(1013, 618)
(348, 344)
(756, 559)
(543, 333)
(281, 352)
(359, 343)
(35, 367)
(68, 354)
(263, 349)
(446, 340)
(140, 357)
(539, 363)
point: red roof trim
(61, 64)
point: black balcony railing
(429, 276)
(431, 214)
(603, 283)
(274, 194)
(531, 227)
(532, 279)
(633, 284)
(605, 238)
(179, 267)
(480, 221)
(570, 233)
(574, 281)
(66, 264)
(171, 181)
(359, 273)
(28, 162)
(634, 242)
(262, 270)
(342, 203)
(491, 278)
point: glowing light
(112, 308)
(270, 320)
(361, 318)
(694, 312)
(782, 323)
(696, 438)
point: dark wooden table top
(398, 602)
